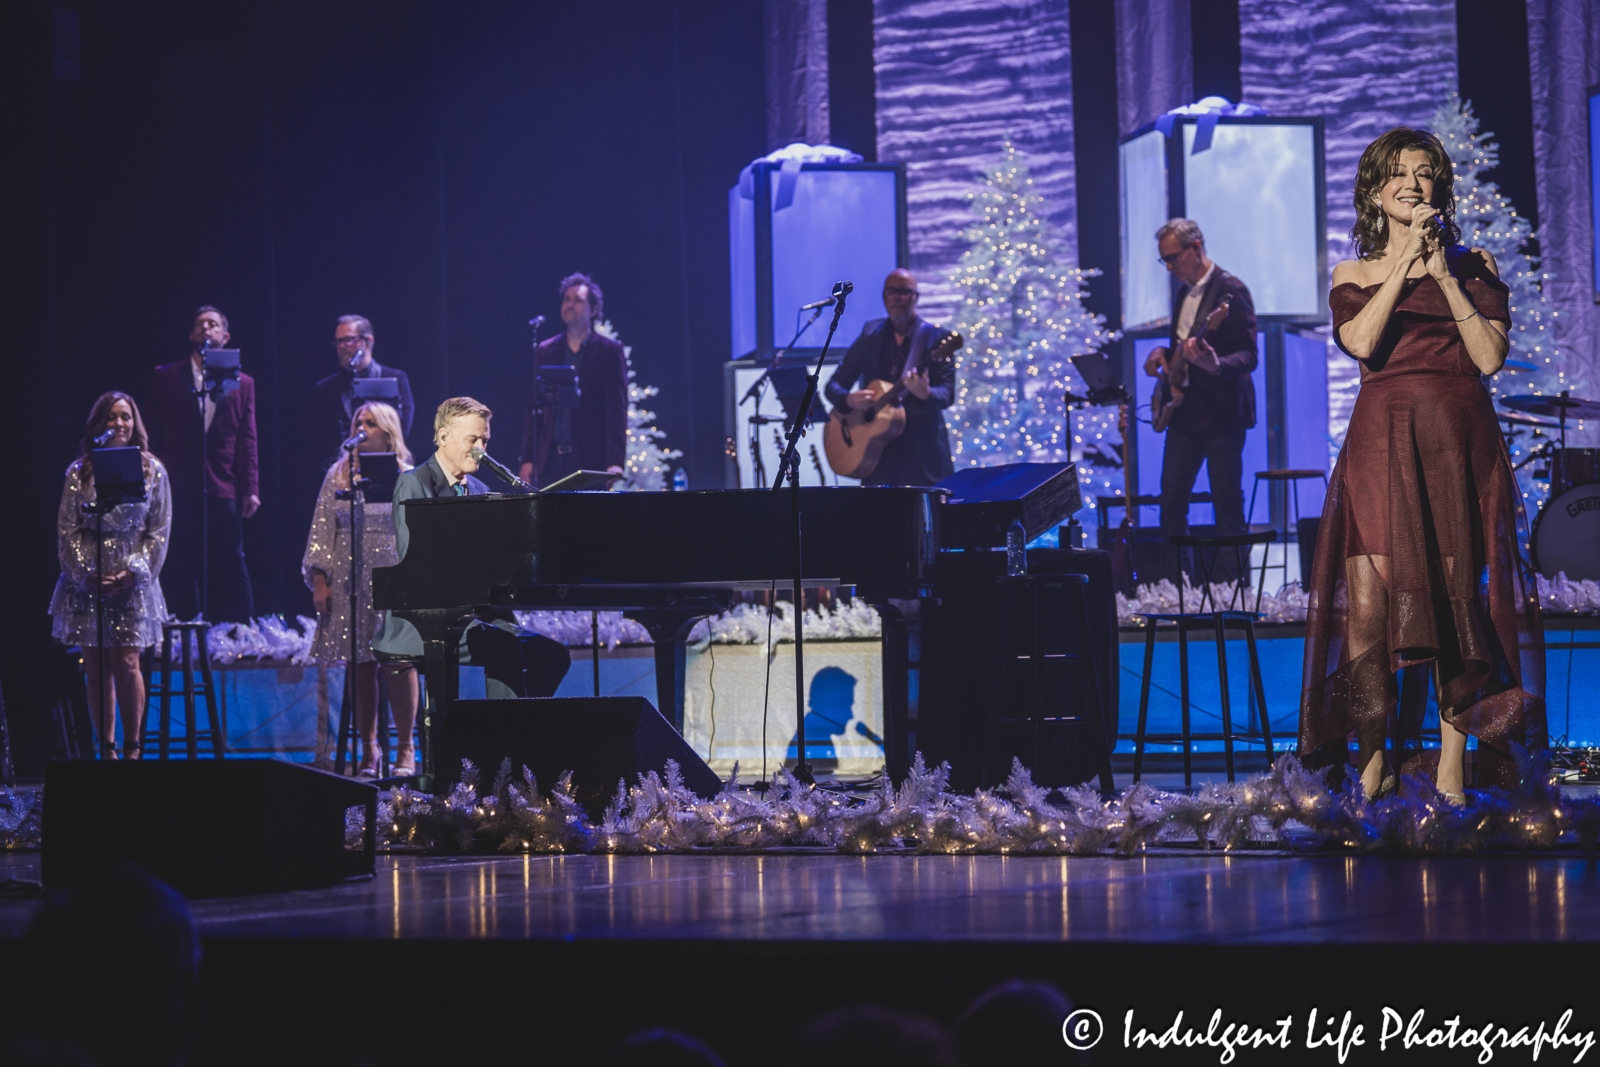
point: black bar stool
(191, 641)
(1052, 626)
(1218, 621)
(1293, 478)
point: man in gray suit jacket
(516, 663)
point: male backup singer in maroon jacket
(231, 487)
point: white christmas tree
(648, 463)
(1488, 220)
(1023, 317)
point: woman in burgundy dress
(1421, 565)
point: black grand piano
(667, 560)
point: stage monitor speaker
(984, 501)
(205, 827)
(599, 739)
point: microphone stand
(358, 518)
(758, 469)
(789, 464)
(203, 393)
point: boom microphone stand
(757, 387)
(789, 464)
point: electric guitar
(1167, 396)
(854, 440)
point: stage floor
(1168, 895)
(565, 955)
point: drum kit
(1566, 535)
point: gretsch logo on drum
(1588, 503)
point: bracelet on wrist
(1474, 314)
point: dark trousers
(230, 598)
(1222, 451)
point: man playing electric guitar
(893, 349)
(1219, 399)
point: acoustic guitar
(1167, 396)
(854, 440)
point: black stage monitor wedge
(205, 827)
(984, 501)
(599, 739)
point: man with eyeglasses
(1219, 402)
(335, 403)
(893, 349)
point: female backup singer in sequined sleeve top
(1421, 568)
(133, 547)
(326, 568)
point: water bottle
(1016, 549)
(680, 480)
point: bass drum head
(1566, 536)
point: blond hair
(457, 407)
(388, 420)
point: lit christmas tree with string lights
(1023, 318)
(648, 464)
(1488, 220)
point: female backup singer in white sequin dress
(132, 550)
(326, 568)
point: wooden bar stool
(1218, 620)
(191, 640)
(1048, 616)
(1292, 478)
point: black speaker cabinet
(599, 739)
(205, 827)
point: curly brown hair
(1370, 234)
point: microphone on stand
(104, 439)
(535, 324)
(350, 443)
(825, 302)
(500, 469)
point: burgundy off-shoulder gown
(1422, 553)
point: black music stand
(556, 397)
(583, 482)
(378, 390)
(789, 386)
(118, 479)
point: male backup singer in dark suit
(230, 491)
(1219, 404)
(598, 439)
(884, 351)
(516, 663)
(334, 404)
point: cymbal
(1528, 420)
(1554, 406)
(1516, 365)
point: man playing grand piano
(510, 656)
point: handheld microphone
(351, 442)
(104, 439)
(504, 472)
(826, 302)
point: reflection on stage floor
(1173, 895)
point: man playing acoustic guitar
(895, 349)
(1218, 399)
